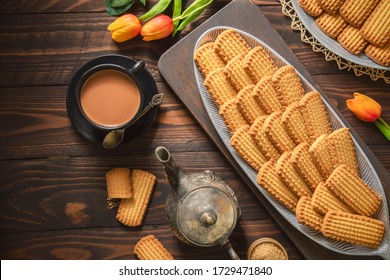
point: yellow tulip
(157, 28)
(124, 28)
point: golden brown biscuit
(267, 97)
(343, 149)
(269, 180)
(306, 215)
(332, 25)
(256, 131)
(242, 142)
(231, 115)
(219, 87)
(353, 191)
(351, 228)
(324, 200)
(229, 44)
(305, 167)
(259, 64)
(290, 177)
(352, 40)
(247, 104)
(315, 115)
(288, 85)
(355, 12)
(379, 55)
(131, 211)
(330, 6)
(150, 248)
(294, 124)
(321, 154)
(376, 29)
(236, 74)
(119, 183)
(207, 59)
(311, 7)
(277, 134)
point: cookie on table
(323, 200)
(259, 64)
(342, 149)
(306, 215)
(150, 248)
(243, 143)
(207, 59)
(270, 181)
(236, 73)
(305, 167)
(355, 12)
(290, 177)
(315, 115)
(266, 95)
(376, 29)
(247, 104)
(353, 191)
(294, 124)
(330, 6)
(380, 55)
(311, 7)
(119, 183)
(287, 85)
(352, 40)
(219, 87)
(277, 134)
(258, 135)
(351, 228)
(332, 25)
(231, 115)
(321, 154)
(229, 44)
(131, 211)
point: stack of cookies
(358, 25)
(285, 135)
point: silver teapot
(202, 210)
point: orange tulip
(368, 110)
(157, 28)
(124, 28)
(364, 107)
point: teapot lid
(206, 216)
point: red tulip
(124, 28)
(157, 28)
(368, 110)
(364, 107)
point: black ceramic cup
(131, 73)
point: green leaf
(192, 12)
(143, 2)
(177, 6)
(156, 9)
(114, 11)
(119, 3)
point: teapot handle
(228, 247)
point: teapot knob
(208, 218)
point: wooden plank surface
(187, 91)
(52, 186)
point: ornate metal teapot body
(201, 209)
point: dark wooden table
(52, 180)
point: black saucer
(95, 134)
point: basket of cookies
(291, 143)
(353, 33)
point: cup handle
(228, 247)
(137, 68)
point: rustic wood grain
(118, 243)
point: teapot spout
(172, 172)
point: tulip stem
(382, 125)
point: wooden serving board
(176, 66)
